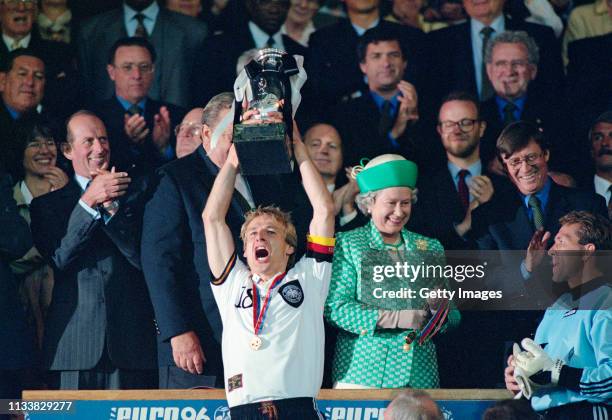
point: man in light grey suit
(177, 40)
(100, 331)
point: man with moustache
(17, 19)
(565, 370)
(511, 60)
(99, 329)
(600, 136)
(22, 86)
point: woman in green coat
(385, 338)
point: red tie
(462, 188)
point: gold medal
(255, 343)
(406, 347)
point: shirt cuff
(348, 218)
(94, 213)
(524, 272)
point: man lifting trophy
(271, 84)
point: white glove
(522, 379)
(536, 366)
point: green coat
(364, 354)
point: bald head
(188, 133)
(324, 147)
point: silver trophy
(265, 148)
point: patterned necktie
(487, 88)
(536, 208)
(462, 189)
(385, 124)
(610, 203)
(141, 30)
(509, 110)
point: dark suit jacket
(174, 257)
(549, 115)
(61, 88)
(221, 53)
(178, 43)
(439, 208)
(143, 158)
(357, 122)
(453, 67)
(100, 297)
(333, 66)
(16, 339)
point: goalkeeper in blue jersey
(566, 371)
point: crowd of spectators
(116, 118)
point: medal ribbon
(260, 314)
(434, 324)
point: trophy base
(262, 149)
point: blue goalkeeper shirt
(577, 329)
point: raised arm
(220, 244)
(323, 217)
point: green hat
(394, 171)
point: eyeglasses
(143, 67)
(529, 159)
(188, 129)
(14, 4)
(514, 64)
(465, 125)
(38, 144)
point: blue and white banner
(218, 410)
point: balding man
(188, 133)
(99, 332)
(324, 146)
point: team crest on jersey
(292, 293)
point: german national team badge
(292, 293)
(234, 382)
